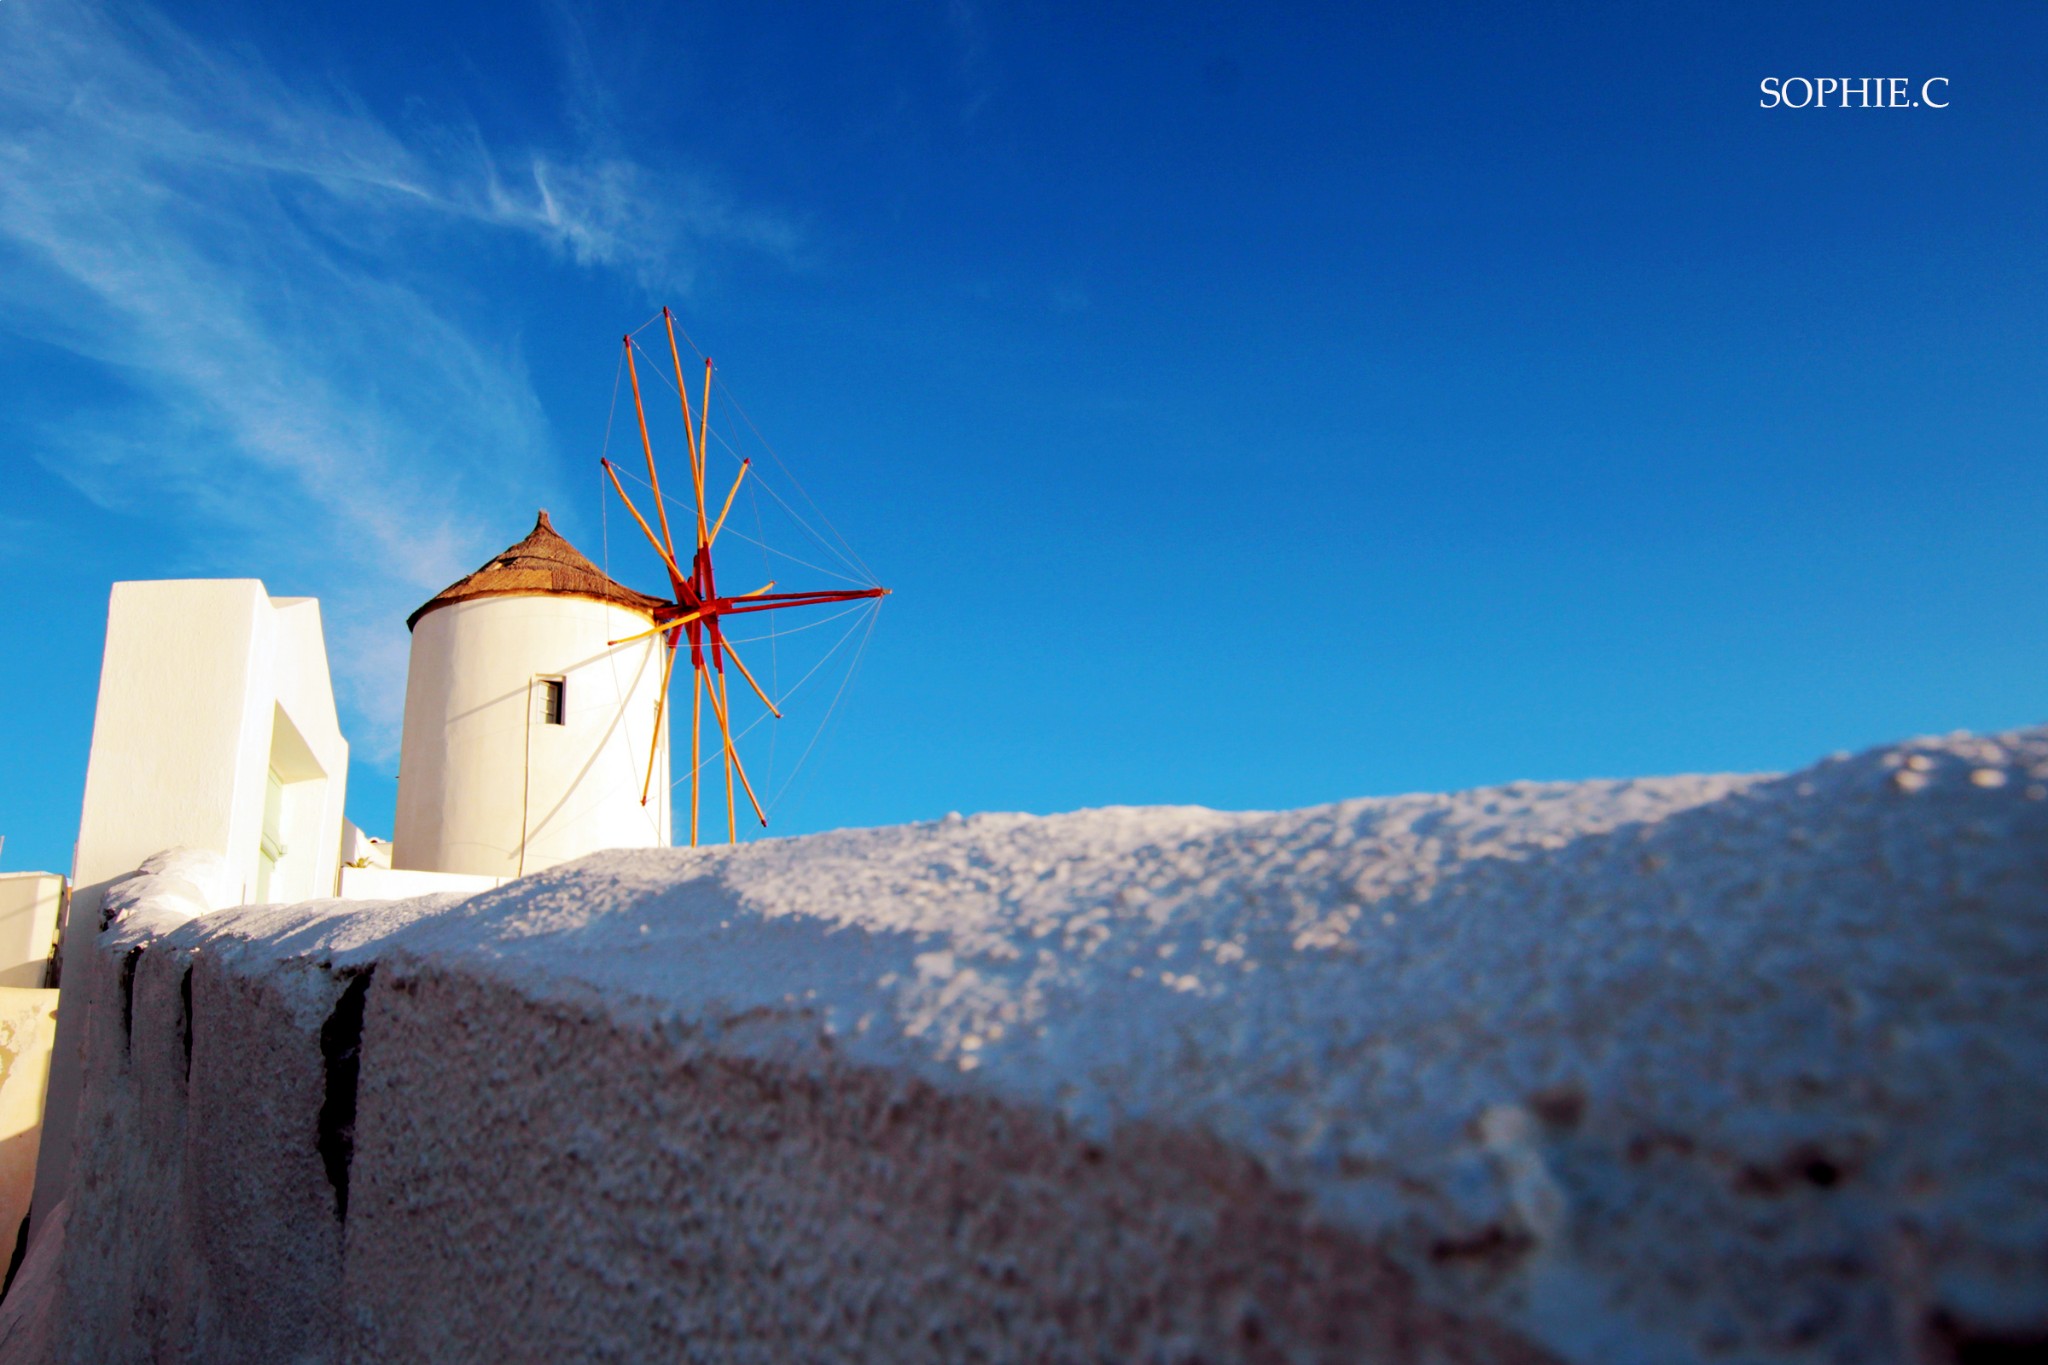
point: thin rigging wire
(847, 557)
(604, 454)
(843, 552)
(679, 505)
(872, 605)
(844, 683)
(850, 556)
(774, 643)
(796, 516)
(853, 562)
(783, 700)
(796, 630)
(794, 481)
(767, 549)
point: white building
(528, 735)
(215, 730)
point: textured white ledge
(1668, 1069)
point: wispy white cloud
(235, 249)
(605, 212)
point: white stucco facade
(215, 734)
(215, 730)
(490, 784)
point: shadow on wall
(1597, 1071)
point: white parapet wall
(1684, 1069)
(387, 884)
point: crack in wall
(129, 961)
(341, 1039)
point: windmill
(695, 610)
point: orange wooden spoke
(733, 756)
(695, 599)
(703, 450)
(656, 630)
(660, 704)
(683, 392)
(645, 529)
(719, 525)
(696, 744)
(733, 654)
(653, 479)
(711, 682)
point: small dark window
(551, 701)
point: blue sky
(1249, 409)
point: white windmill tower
(530, 739)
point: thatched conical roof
(542, 565)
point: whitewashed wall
(205, 686)
(485, 787)
(1674, 1070)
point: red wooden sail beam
(775, 600)
(759, 601)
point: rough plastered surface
(1708, 1068)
